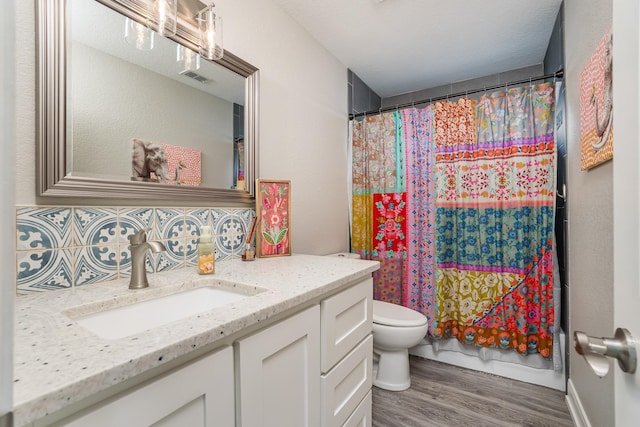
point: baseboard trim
(576, 409)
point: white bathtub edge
(544, 377)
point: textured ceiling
(400, 46)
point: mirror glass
(118, 94)
(119, 121)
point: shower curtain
(379, 201)
(456, 201)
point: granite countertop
(57, 362)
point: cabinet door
(346, 319)
(279, 374)
(200, 394)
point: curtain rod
(557, 74)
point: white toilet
(395, 330)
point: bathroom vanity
(294, 350)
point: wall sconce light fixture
(138, 35)
(163, 16)
(210, 26)
(188, 59)
(164, 13)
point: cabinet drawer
(344, 387)
(346, 319)
(361, 417)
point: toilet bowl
(395, 330)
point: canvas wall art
(148, 162)
(183, 165)
(273, 209)
(596, 106)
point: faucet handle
(140, 237)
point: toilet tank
(346, 255)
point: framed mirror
(102, 102)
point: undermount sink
(120, 322)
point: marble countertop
(57, 362)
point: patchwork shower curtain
(457, 203)
(379, 200)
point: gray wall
(361, 97)
(590, 215)
(554, 61)
(460, 87)
(554, 57)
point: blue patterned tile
(193, 230)
(43, 228)
(169, 223)
(229, 224)
(95, 226)
(223, 254)
(173, 257)
(99, 248)
(96, 264)
(44, 270)
(216, 216)
(133, 220)
(195, 220)
(197, 217)
(226, 245)
(245, 215)
(124, 266)
(191, 251)
(229, 235)
(229, 245)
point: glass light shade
(188, 59)
(210, 26)
(164, 14)
(138, 35)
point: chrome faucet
(139, 247)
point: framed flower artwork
(273, 209)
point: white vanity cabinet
(278, 374)
(312, 369)
(347, 351)
(198, 394)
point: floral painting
(273, 209)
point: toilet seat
(385, 313)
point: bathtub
(508, 365)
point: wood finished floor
(445, 395)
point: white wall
(7, 213)
(590, 209)
(25, 102)
(303, 116)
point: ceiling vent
(195, 76)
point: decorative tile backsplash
(62, 247)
